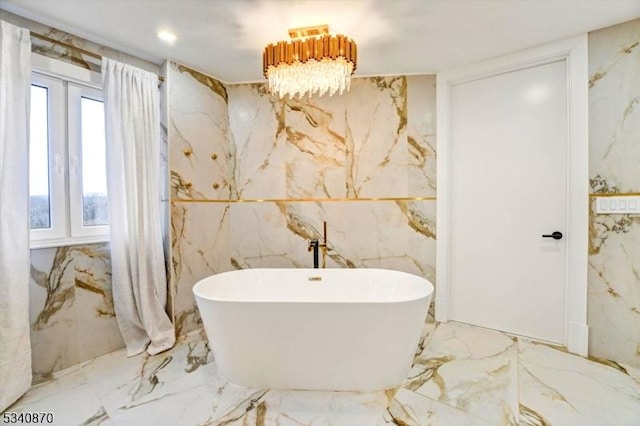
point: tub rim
(197, 292)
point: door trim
(574, 52)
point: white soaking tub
(314, 329)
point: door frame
(574, 52)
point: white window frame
(66, 84)
(56, 132)
(75, 93)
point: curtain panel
(15, 95)
(139, 285)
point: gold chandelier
(312, 63)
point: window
(40, 212)
(67, 163)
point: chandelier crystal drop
(308, 66)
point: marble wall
(71, 307)
(364, 162)
(614, 151)
(201, 170)
(253, 177)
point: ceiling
(225, 38)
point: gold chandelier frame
(309, 43)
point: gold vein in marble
(400, 415)
(429, 371)
(601, 187)
(148, 377)
(188, 146)
(349, 162)
(398, 86)
(295, 224)
(59, 293)
(529, 416)
(239, 411)
(602, 226)
(97, 419)
(107, 309)
(315, 147)
(609, 363)
(209, 82)
(296, 139)
(180, 187)
(178, 221)
(417, 221)
(599, 75)
(613, 293)
(550, 391)
(195, 360)
(236, 264)
(192, 315)
(417, 151)
(620, 127)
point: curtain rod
(72, 47)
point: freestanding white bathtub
(314, 329)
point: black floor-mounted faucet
(314, 245)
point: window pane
(94, 174)
(40, 210)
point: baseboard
(578, 339)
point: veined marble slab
(614, 105)
(410, 408)
(614, 155)
(614, 289)
(421, 135)
(68, 396)
(200, 247)
(471, 369)
(376, 111)
(198, 131)
(377, 140)
(71, 307)
(315, 152)
(395, 235)
(258, 140)
(558, 388)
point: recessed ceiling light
(167, 36)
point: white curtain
(139, 283)
(15, 95)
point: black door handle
(556, 235)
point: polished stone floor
(462, 375)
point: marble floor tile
(558, 388)
(462, 375)
(471, 369)
(124, 383)
(200, 405)
(67, 396)
(410, 408)
(321, 408)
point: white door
(508, 188)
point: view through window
(94, 173)
(40, 212)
